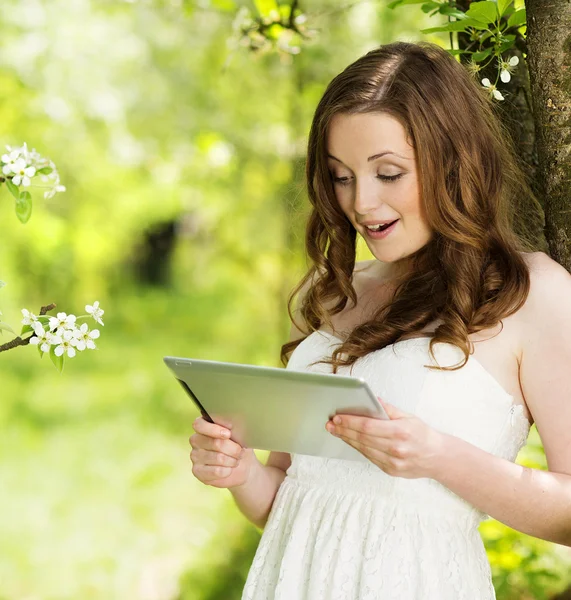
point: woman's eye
(345, 180)
(341, 180)
(390, 177)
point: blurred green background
(183, 155)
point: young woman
(406, 140)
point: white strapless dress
(345, 530)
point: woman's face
(383, 188)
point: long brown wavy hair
(471, 274)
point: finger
(374, 441)
(388, 448)
(207, 473)
(202, 426)
(378, 427)
(378, 456)
(215, 459)
(205, 442)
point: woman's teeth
(378, 227)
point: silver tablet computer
(277, 409)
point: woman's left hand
(404, 446)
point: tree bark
(549, 63)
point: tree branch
(18, 341)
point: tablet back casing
(276, 409)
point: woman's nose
(366, 196)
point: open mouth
(382, 227)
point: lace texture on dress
(346, 530)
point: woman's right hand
(216, 459)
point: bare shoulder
(550, 284)
(541, 262)
(547, 304)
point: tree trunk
(549, 63)
(516, 113)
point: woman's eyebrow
(374, 156)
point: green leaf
(401, 2)
(13, 189)
(441, 28)
(6, 327)
(478, 56)
(450, 11)
(518, 18)
(41, 319)
(24, 207)
(484, 12)
(503, 5)
(428, 6)
(57, 360)
(45, 171)
(506, 46)
(26, 329)
(40, 351)
(455, 26)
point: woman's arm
(532, 501)
(256, 497)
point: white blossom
(492, 88)
(22, 165)
(9, 160)
(53, 180)
(22, 172)
(85, 337)
(61, 334)
(95, 311)
(29, 318)
(11, 155)
(67, 344)
(507, 67)
(44, 338)
(62, 322)
(56, 187)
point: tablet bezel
(350, 395)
